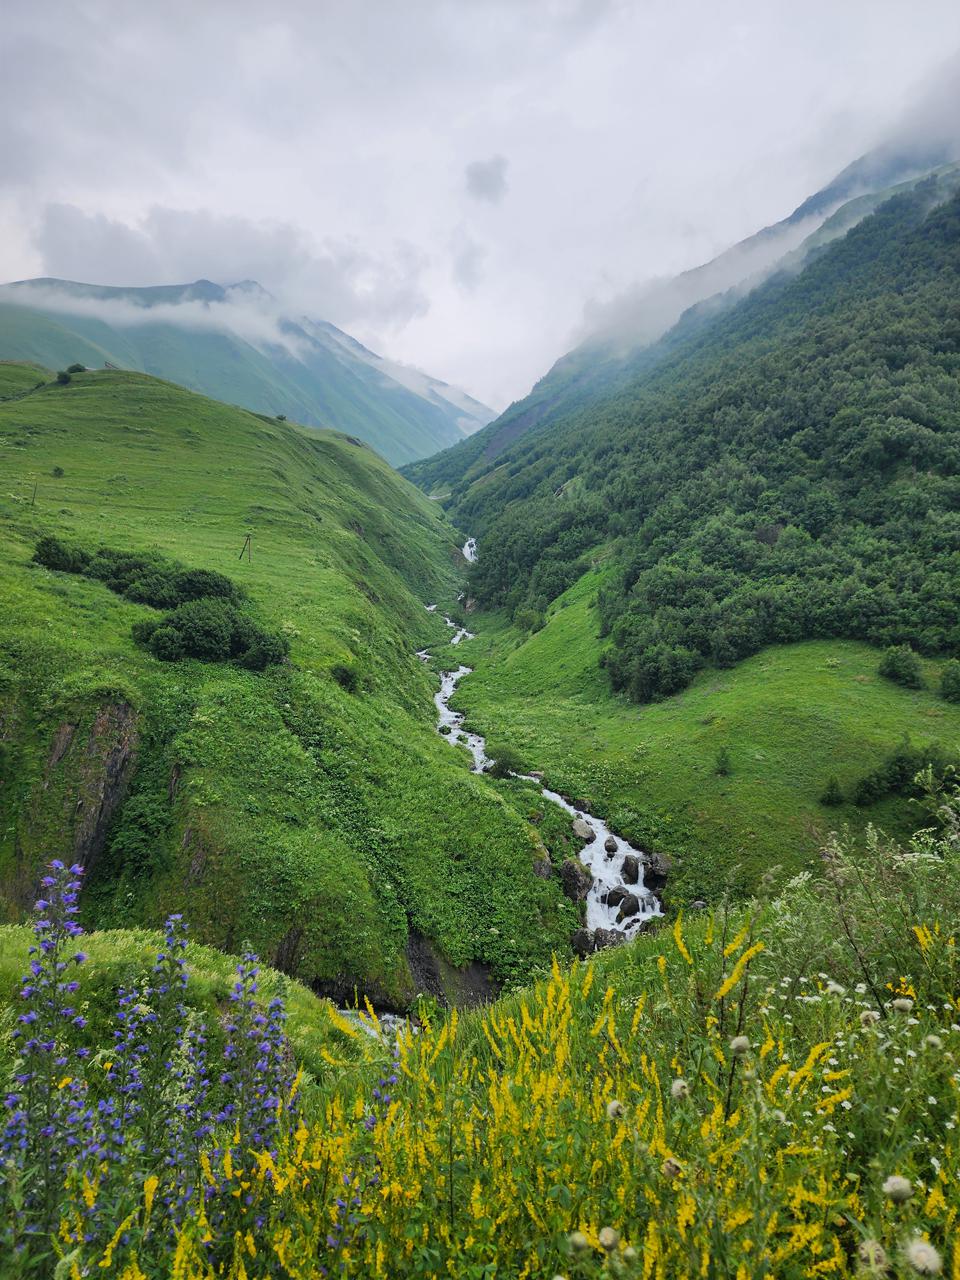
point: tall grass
(761, 1093)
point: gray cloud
(321, 149)
(335, 280)
(468, 258)
(487, 179)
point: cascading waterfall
(617, 899)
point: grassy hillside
(316, 374)
(767, 1091)
(310, 811)
(789, 718)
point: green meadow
(789, 719)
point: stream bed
(618, 904)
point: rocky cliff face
(66, 808)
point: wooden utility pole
(246, 549)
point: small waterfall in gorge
(617, 900)
(469, 550)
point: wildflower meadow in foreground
(693, 1106)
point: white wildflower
(679, 1088)
(615, 1109)
(739, 1046)
(923, 1257)
(609, 1238)
(897, 1189)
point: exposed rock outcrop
(576, 879)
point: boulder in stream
(583, 830)
(610, 844)
(576, 879)
(629, 906)
(656, 869)
(615, 896)
(630, 871)
(608, 938)
(583, 943)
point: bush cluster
(213, 630)
(205, 620)
(901, 665)
(900, 774)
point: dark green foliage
(213, 630)
(57, 472)
(788, 469)
(897, 775)
(723, 768)
(507, 762)
(346, 677)
(147, 579)
(901, 665)
(832, 795)
(63, 377)
(950, 681)
(205, 621)
(76, 368)
(53, 553)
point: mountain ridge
(237, 344)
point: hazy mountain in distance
(235, 343)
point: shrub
(205, 627)
(57, 472)
(196, 584)
(213, 630)
(156, 589)
(950, 681)
(167, 644)
(898, 773)
(54, 554)
(506, 763)
(901, 665)
(76, 368)
(346, 677)
(63, 377)
(832, 796)
(723, 767)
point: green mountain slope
(236, 345)
(790, 472)
(648, 325)
(310, 809)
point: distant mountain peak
(236, 342)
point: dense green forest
(790, 471)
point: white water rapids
(606, 865)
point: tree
(950, 681)
(63, 377)
(723, 767)
(901, 665)
(76, 368)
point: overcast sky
(455, 182)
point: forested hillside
(789, 472)
(209, 694)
